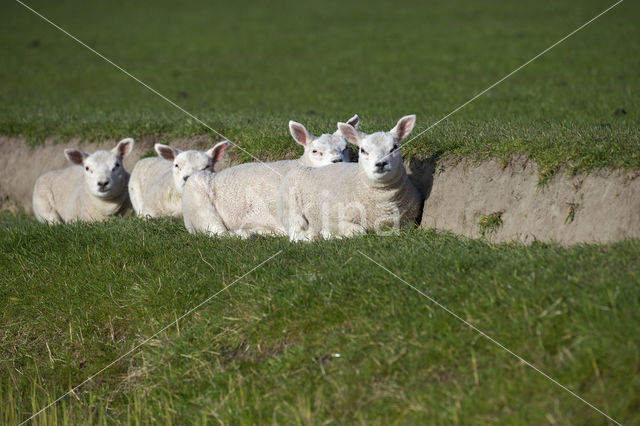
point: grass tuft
(490, 223)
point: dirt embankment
(489, 199)
(506, 203)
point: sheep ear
(217, 152)
(166, 152)
(123, 148)
(300, 133)
(354, 121)
(350, 133)
(75, 156)
(404, 127)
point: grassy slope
(75, 297)
(246, 68)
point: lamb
(156, 184)
(241, 200)
(343, 200)
(94, 189)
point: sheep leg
(299, 229)
(266, 230)
(43, 208)
(350, 229)
(243, 233)
(50, 216)
(204, 218)
(214, 226)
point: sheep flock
(319, 195)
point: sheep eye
(362, 151)
(394, 147)
(315, 151)
(116, 166)
(176, 166)
(86, 168)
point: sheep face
(104, 173)
(323, 150)
(380, 156)
(186, 163)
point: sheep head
(380, 157)
(104, 173)
(321, 150)
(186, 163)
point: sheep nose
(103, 184)
(185, 178)
(381, 164)
(337, 160)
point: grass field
(76, 297)
(246, 68)
(320, 334)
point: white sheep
(342, 200)
(241, 200)
(95, 188)
(156, 183)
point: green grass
(246, 68)
(490, 223)
(76, 297)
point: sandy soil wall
(505, 203)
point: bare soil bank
(493, 199)
(503, 202)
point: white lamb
(241, 200)
(342, 200)
(156, 184)
(94, 189)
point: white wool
(241, 200)
(94, 189)
(156, 184)
(342, 200)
